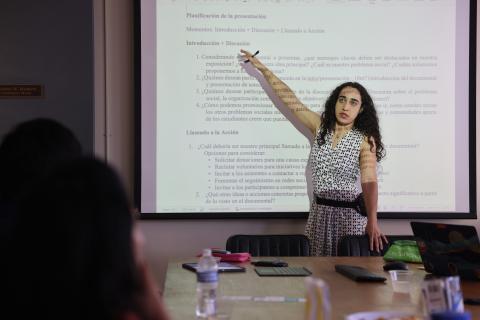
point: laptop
(448, 249)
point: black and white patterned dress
(335, 173)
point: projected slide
(222, 145)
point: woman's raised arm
(309, 118)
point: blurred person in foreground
(76, 253)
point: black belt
(358, 204)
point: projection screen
(212, 143)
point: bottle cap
(207, 252)
(451, 315)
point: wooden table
(347, 296)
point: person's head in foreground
(75, 252)
(30, 150)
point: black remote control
(358, 273)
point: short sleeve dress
(335, 173)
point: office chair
(356, 246)
(273, 245)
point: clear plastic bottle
(207, 283)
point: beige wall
(114, 141)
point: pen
(257, 52)
(263, 298)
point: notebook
(448, 249)
(282, 271)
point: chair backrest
(356, 246)
(274, 245)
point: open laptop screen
(448, 249)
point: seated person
(75, 251)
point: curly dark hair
(366, 121)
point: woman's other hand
(375, 235)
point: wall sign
(21, 91)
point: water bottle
(207, 282)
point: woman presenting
(347, 144)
